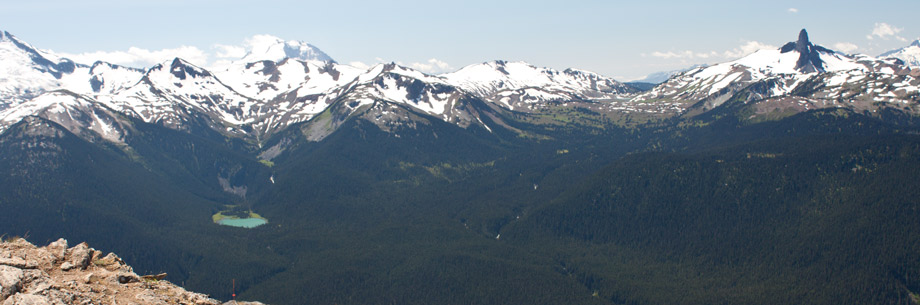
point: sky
(623, 40)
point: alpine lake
(238, 218)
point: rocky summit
(56, 274)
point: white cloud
(260, 41)
(793, 10)
(885, 31)
(683, 55)
(226, 54)
(845, 47)
(142, 58)
(360, 65)
(741, 51)
(433, 65)
(746, 49)
(225, 51)
(219, 65)
(221, 56)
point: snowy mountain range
(27, 72)
(909, 54)
(280, 83)
(274, 85)
(796, 77)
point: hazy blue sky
(622, 40)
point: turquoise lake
(248, 223)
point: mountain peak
(271, 48)
(6, 36)
(809, 57)
(44, 61)
(802, 44)
(916, 43)
(181, 68)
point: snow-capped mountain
(276, 49)
(819, 75)
(280, 83)
(387, 92)
(176, 93)
(521, 86)
(909, 54)
(107, 79)
(78, 114)
(427, 94)
(26, 72)
(274, 66)
(393, 98)
(266, 79)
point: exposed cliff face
(809, 54)
(56, 274)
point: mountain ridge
(280, 83)
(781, 76)
(744, 182)
(259, 94)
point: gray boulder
(58, 248)
(81, 255)
(10, 281)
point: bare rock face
(81, 275)
(17, 262)
(80, 255)
(27, 299)
(10, 281)
(58, 248)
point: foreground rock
(56, 274)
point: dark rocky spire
(802, 44)
(809, 55)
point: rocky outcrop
(56, 274)
(809, 54)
